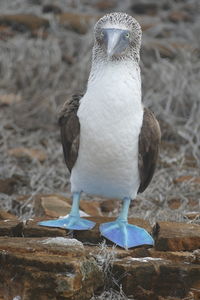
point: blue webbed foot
(126, 235)
(73, 221)
(69, 222)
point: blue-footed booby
(110, 141)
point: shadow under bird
(110, 141)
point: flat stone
(94, 237)
(187, 178)
(163, 49)
(51, 8)
(172, 236)
(9, 99)
(193, 215)
(145, 8)
(156, 277)
(69, 59)
(51, 205)
(55, 206)
(79, 23)
(10, 228)
(31, 229)
(53, 268)
(29, 153)
(179, 16)
(24, 22)
(109, 205)
(92, 208)
(7, 185)
(105, 5)
(185, 257)
(67, 268)
(167, 49)
(5, 33)
(4, 215)
(174, 203)
(19, 202)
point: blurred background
(45, 56)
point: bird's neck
(101, 67)
(121, 78)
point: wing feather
(70, 130)
(149, 141)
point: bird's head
(117, 37)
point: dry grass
(112, 295)
(112, 289)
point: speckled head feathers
(119, 20)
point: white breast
(110, 116)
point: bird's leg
(73, 221)
(123, 234)
(123, 216)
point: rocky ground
(48, 263)
(45, 55)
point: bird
(110, 140)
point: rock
(193, 203)
(145, 8)
(182, 256)
(52, 206)
(42, 262)
(146, 26)
(39, 34)
(4, 215)
(51, 8)
(93, 236)
(147, 22)
(155, 277)
(8, 99)
(162, 49)
(169, 50)
(193, 215)
(174, 203)
(20, 204)
(7, 185)
(109, 205)
(172, 236)
(92, 208)
(105, 5)
(5, 33)
(187, 178)
(10, 228)
(34, 154)
(68, 59)
(188, 47)
(53, 268)
(24, 22)
(179, 16)
(31, 229)
(79, 23)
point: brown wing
(149, 141)
(70, 130)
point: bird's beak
(115, 40)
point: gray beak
(115, 40)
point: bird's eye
(127, 35)
(102, 34)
